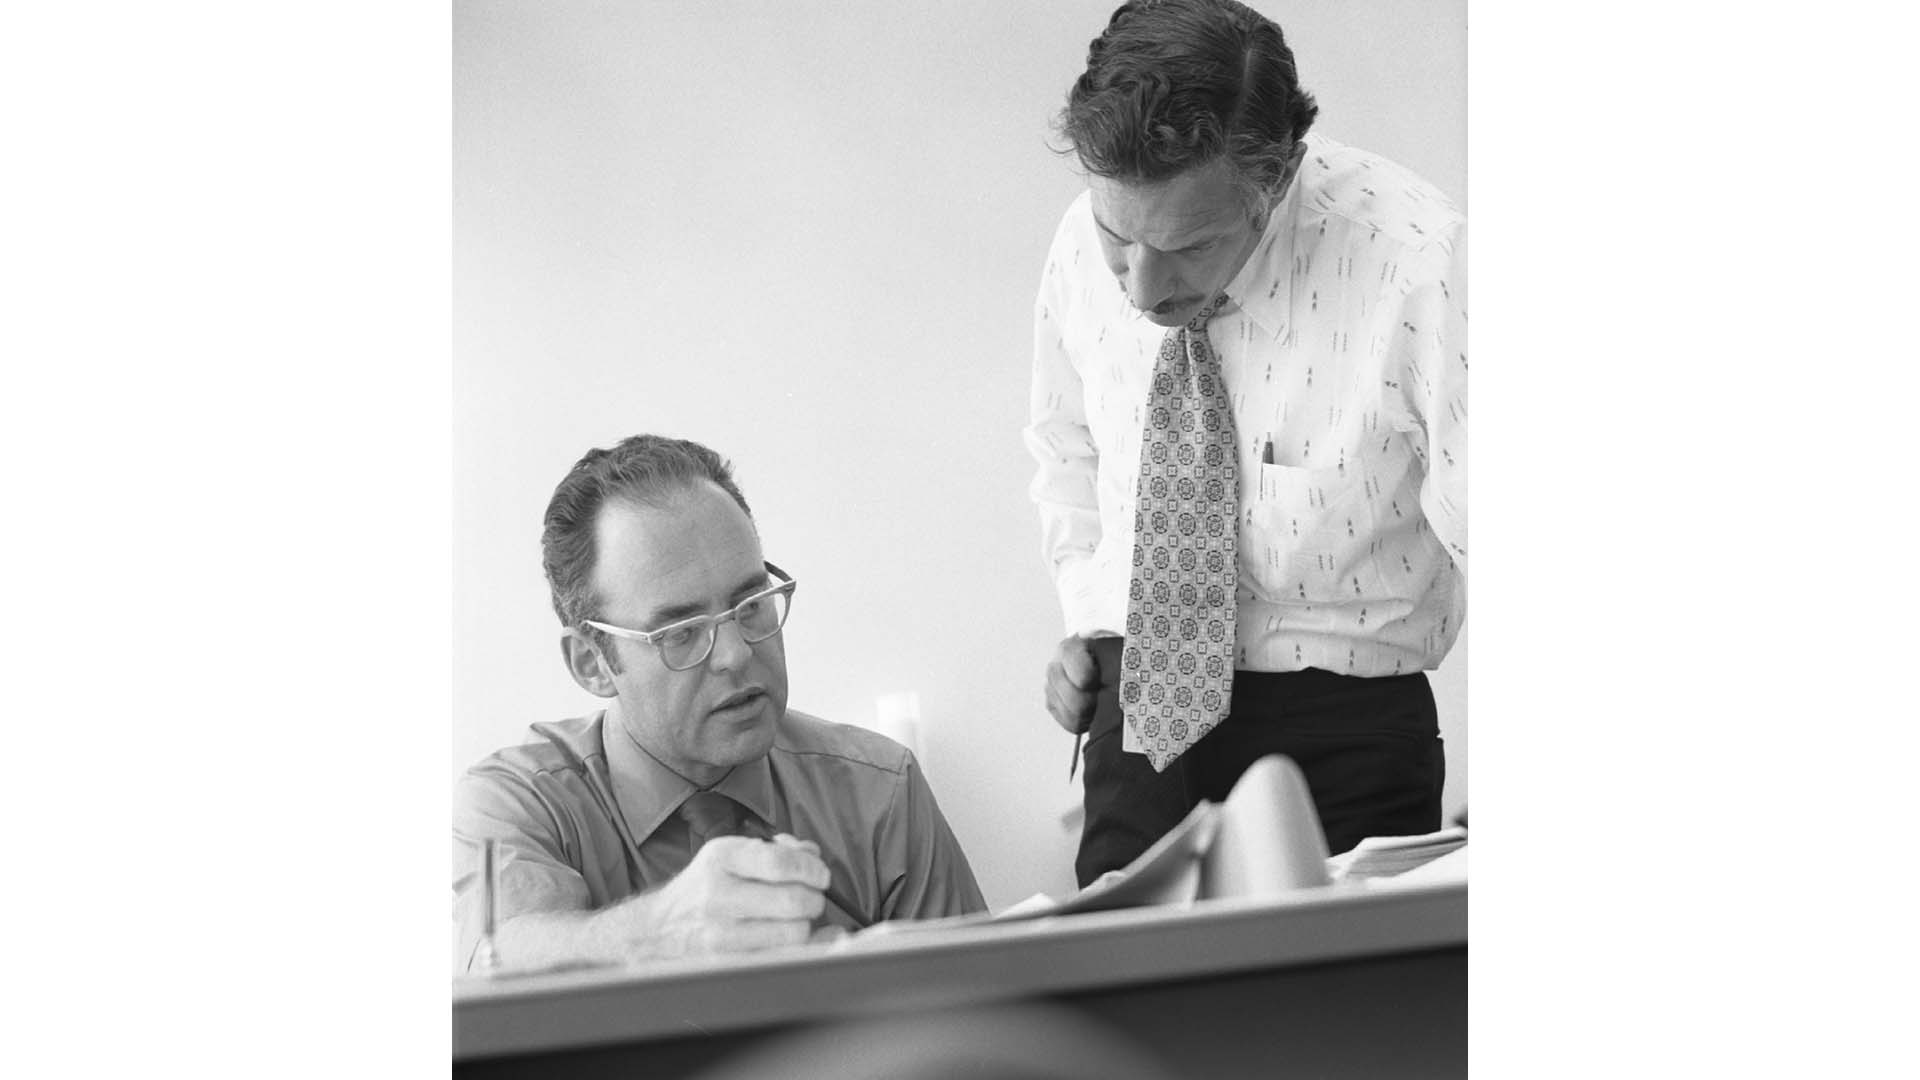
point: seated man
(696, 813)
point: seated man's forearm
(614, 934)
(706, 909)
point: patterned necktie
(709, 814)
(1177, 666)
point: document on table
(1448, 868)
(1166, 873)
(1263, 840)
(1387, 856)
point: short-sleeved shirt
(584, 818)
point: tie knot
(1199, 322)
(709, 814)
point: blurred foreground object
(1029, 1042)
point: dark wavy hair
(1172, 85)
(646, 469)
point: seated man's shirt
(583, 818)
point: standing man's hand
(1073, 679)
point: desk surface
(953, 967)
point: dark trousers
(1369, 748)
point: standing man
(696, 813)
(1249, 417)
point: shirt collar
(1263, 288)
(648, 792)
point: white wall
(808, 235)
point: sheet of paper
(1037, 904)
(1166, 873)
(1451, 836)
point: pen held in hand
(852, 913)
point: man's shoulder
(1078, 216)
(1075, 231)
(1388, 198)
(811, 742)
(561, 747)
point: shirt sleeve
(1431, 367)
(1062, 445)
(932, 877)
(531, 868)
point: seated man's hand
(738, 894)
(1073, 678)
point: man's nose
(1149, 279)
(730, 647)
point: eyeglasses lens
(759, 619)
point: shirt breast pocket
(1311, 535)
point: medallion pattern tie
(1177, 665)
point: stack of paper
(1446, 870)
(1385, 856)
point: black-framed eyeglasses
(688, 643)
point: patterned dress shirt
(1345, 355)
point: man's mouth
(740, 699)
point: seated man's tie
(709, 814)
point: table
(1332, 981)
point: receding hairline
(664, 499)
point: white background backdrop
(808, 235)
(227, 563)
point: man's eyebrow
(673, 613)
(1103, 227)
(1208, 233)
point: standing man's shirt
(1343, 348)
(585, 818)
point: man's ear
(586, 665)
(1294, 159)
